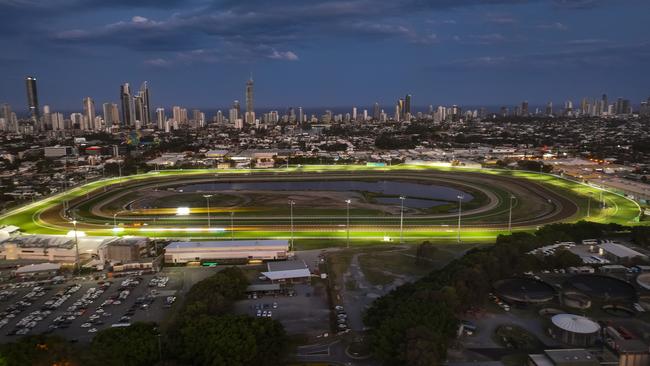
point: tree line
(415, 323)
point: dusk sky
(325, 53)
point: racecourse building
(226, 250)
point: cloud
(553, 26)
(500, 19)
(587, 42)
(578, 4)
(286, 55)
(597, 57)
(158, 62)
(486, 39)
(441, 21)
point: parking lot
(77, 308)
(305, 312)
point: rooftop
(571, 356)
(228, 244)
(40, 241)
(41, 267)
(575, 323)
(620, 251)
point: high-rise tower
(146, 107)
(250, 112)
(32, 98)
(407, 104)
(89, 114)
(127, 105)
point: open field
(539, 199)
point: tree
(215, 295)
(641, 236)
(534, 166)
(232, 340)
(38, 351)
(134, 345)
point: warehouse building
(563, 357)
(124, 250)
(289, 271)
(618, 253)
(38, 270)
(226, 250)
(49, 248)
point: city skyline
(196, 53)
(140, 108)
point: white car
(86, 325)
(92, 330)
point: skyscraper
(402, 110)
(146, 108)
(301, 115)
(127, 106)
(160, 118)
(524, 108)
(111, 114)
(549, 109)
(376, 112)
(237, 107)
(407, 105)
(218, 118)
(58, 122)
(89, 114)
(250, 112)
(138, 108)
(77, 120)
(32, 98)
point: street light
(460, 212)
(291, 203)
(207, 199)
(347, 202)
(232, 225)
(510, 214)
(401, 220)
(589, 205)
(76, 244)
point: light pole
(401, 219)
(232, 225)
(510, 214)
(207, 199)
(76, 244)
(291, 203)
(589, 205)
(347, 202)
(460, 212)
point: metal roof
(285, 275)
(573, 356)
(620, 251)
(575, 323)
(227, 244)
(41, 267)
